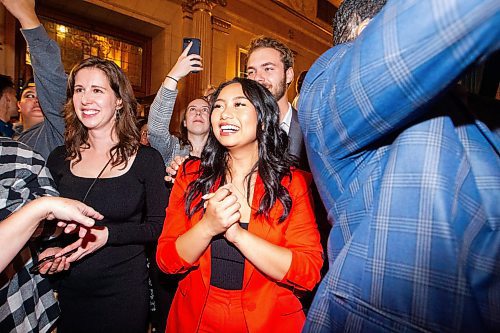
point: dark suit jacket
(297, 148)
(296, 142)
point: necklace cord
(95, 179)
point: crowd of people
(381, 164)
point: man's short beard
(281, 89)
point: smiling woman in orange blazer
(240, 224)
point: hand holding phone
(195, 47)
(186, 63)
(35, 269)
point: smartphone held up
(195, 48)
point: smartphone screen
(195, 49)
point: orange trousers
(223, 312)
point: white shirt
(287, 120)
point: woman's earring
(117, 113)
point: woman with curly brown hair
(104, 165)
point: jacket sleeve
(24, 177)
(50, 78)
(176, 224)
(358, 93)
(302, 236)
(159, 118)
(151, 174)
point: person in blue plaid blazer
(409, 176)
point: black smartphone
(195, 48)
(35, 269)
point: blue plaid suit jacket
(409, 177)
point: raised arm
(162, 108)
(358, 93)
(48, 70)
(159, 117)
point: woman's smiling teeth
(229, 128)
(89, 112)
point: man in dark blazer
(270, 63)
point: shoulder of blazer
(295, 115)
(295, 134)
(296, 141)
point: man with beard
(270, 63)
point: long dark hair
(272, 166)
(76, 135)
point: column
(201, 28)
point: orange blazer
(268, 305)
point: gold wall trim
(122, 9)
(221, 23)
(301, 16)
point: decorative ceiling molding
(186, 8)
(188, 5)
(291, 26)
(220, 24)
(301, 16)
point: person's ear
(5, 97)
(119, 104)
(359, 29)
(184, 123)
(289, 76)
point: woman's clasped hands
(222, 212)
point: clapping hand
(222, 210)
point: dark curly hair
(272, 166)
(350, 15)
(76, 134)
